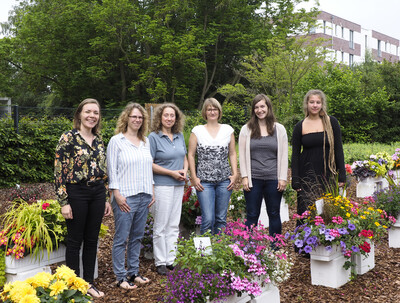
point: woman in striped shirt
(131, 182)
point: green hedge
(28, 157)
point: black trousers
(88, 204)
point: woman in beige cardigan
(263, 158)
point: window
(336, 30)
(342, 32)
(379, 48)
(351, 59)
(366, 42)
(342, 60)
(351, 39)
(324, 26)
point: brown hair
(122, 123)
(253, 123)
(77, 115)
(326, 121)
(211, 102)
(179, 118)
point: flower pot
(368, 186)
(396, 175)
(364, 263)
(329, 273)
(284, 212)
(320, 253)
(21, 269)
(270, 294)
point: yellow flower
(377, 224)
(57, 287)
(366, 212)
(20, 289)
(40, 279)
(379, 210)
(64, 273)
(362, 217)
(30, 299)
(348, 215)
(384, 226)
(80, 284)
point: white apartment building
(349, 41)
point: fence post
(16, 118)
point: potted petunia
(342, 234)
(239, 263)
(371, 173)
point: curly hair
(122, 123)
(179, 118)
(326, 121)
(253, 124)
(77, 115)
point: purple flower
(343, 245)
(308, 249)
(343, 231)
(312, 240)
(322, 230)
(351, 226)
(355, 248)
(298, 243)
(329, 237)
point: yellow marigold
(377, 224)
(348, 215)
(362, 217)
(20, 289)
(64, 273)
(40, 279)
(379, 210)
(30, 299)
(80, 284)
(57, 287)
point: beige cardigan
(282, 153)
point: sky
(379, 15)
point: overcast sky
(380, 15)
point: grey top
(263, 153)
(167, 154)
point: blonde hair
(179, 118)
(211, 102)
(326, 121)
(77, 115)
(122, 123)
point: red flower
(365, 247)
(366, 233)
(348, 169)
(187, 194)
(197, 204)
(45, 205)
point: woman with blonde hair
(81, 187)
(317, 152)
(170, 166)
(131, 182)
(215, 173)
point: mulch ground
(381, 284)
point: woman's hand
(121, 202)
(153, 200)
(281, 185)
(245, 182)
(232, 183)
(66, 211)
(107, 210)
(197, 184)
(179, 175)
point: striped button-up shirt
(129, 167)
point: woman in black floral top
(81, 187)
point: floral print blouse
(76, 161)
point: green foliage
(388, 199)
(235, 116)
(237, 205)
(358, 151)
(28, 157)
(2, 268)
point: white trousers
(167, 215)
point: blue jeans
(129, 229)
(214, 202)
(268, 190)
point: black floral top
(76, 161)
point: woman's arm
(296, 149)
(233, 161)
(192, 165)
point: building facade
(349, 42)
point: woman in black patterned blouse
(81, 187)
